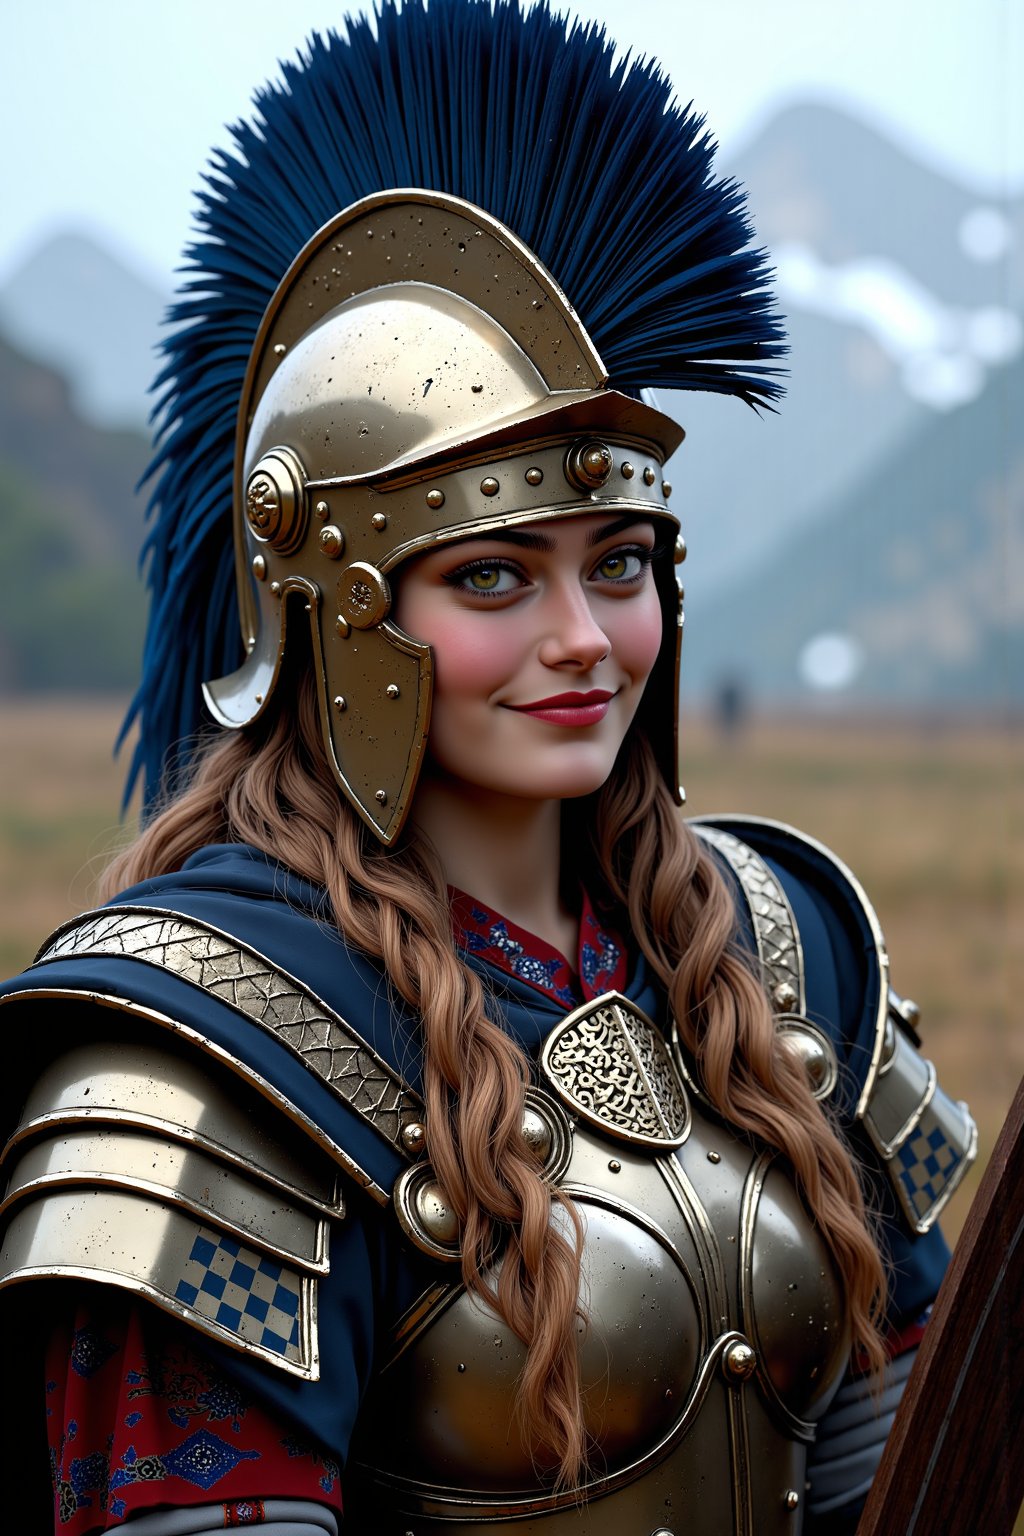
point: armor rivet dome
(680, 550)
(259, 568)
(340, 703)
(379, 520)
(363, 595)
(714, 1157)
(275, 501)
(393, 691)
(666, 488)
(614, 1166)
(739, 1361)
(588, 465)
(435, 499)
(280, 349)
(534, 476)
(649, 476)
(436, 1217)
(536, 1133)
(812, 1054)
(381, 796)
(322, 509)
(414, 1136)
(785, 997)
(489, 485)
(791, 1499)
(332, 541)
(627, 470)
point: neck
(502, 850)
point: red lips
(572, 709)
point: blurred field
(930, 817)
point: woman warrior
(433, 1126)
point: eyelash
(457, 577)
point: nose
(573, 639)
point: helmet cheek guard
(418, 377)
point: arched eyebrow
(529, 539)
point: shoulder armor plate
(925, 1140)
(137, 1167)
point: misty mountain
(818, 176)
(73, 614)
(79, 308)
(919, 569)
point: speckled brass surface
(716, 1337)
(418, 376)
(926, 1141)
(135, 1166)
(270, 997)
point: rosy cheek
(468, 658)
(640, 636)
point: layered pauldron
(158, 1161)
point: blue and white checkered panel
(927, 1163)
(243, 1291)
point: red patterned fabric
(601, 959)
(137, 1418)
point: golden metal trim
(871, 917)
(649, 1107)
(208, 1047)
(44, 1230)
(250, 984)
(77, 1160)
(775, 929)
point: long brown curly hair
(270, 785)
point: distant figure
(730, 707)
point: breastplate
(715, 1335)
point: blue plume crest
(584, 156)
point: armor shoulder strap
(826, 969)
(225, 986)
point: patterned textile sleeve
(138, 1418)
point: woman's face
(543, 637)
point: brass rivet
(275, 589)
(648, 476)
(332, 541)
(392, 690)
(739, 1361)
(785, 997)
(680, 550)
(910, 1012)
(340, 703)
(666, 488)
(381, 796)
(379, 521)
(489, 485)
(259, 698)
(435, 499)
(414, 1136)
(321, 509)
(280, 349)
(342, 626)
(791, 1499)
(627, 470)
(714, 1157)
(534, 476)
(614, 1166)
(259, 568)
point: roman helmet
(417, 371)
